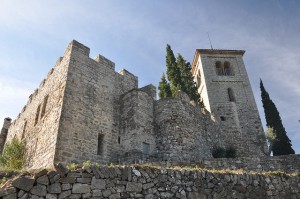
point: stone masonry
(225, 89)
(84, 110)
(151, 183)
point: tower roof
(214, 51)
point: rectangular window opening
(146, 148)
(100, 144)
(119, 140)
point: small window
(44, 106)
(146, 148)
(222, 118)
(119, 140)
(100, 144)
(231, 95)
(37, 115)
(219, 69)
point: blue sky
(134, 34)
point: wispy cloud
(13, 96)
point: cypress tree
(281, 145)
(164, 88)
(173, 71)
(187, 83)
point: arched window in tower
(219, 69)
(231, 95)
(227, 69)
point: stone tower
(224, 87)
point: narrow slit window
(37, 115)
(100, 144)
(44, 106)
(231, 95)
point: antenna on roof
(209, 41)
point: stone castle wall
(90, 115)
(183, 132)
(137, 122)
(84, 110)
(151, 183)
(38, 122)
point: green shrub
(87, 163)
(13, 156)
(72, 166)
(230, 152)
(221, 152)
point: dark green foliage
(281, 145)
(164, 88)
(173, 71)
(221, 152)
(187, 83)
(180, 77)
(230, 152)
(13, 155)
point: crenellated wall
(90, 124)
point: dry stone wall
(150, 183)
(284, 163)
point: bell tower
(224, 87)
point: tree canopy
(179, 76)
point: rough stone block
(54, 188)
(23, 183)
(81, 188)
(64, 194)
(134, 187)
(43, 180)
(98, 183)
(39, 190)
(51, 196)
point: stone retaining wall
(146, 182)
(285, 163)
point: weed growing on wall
(13, 156)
